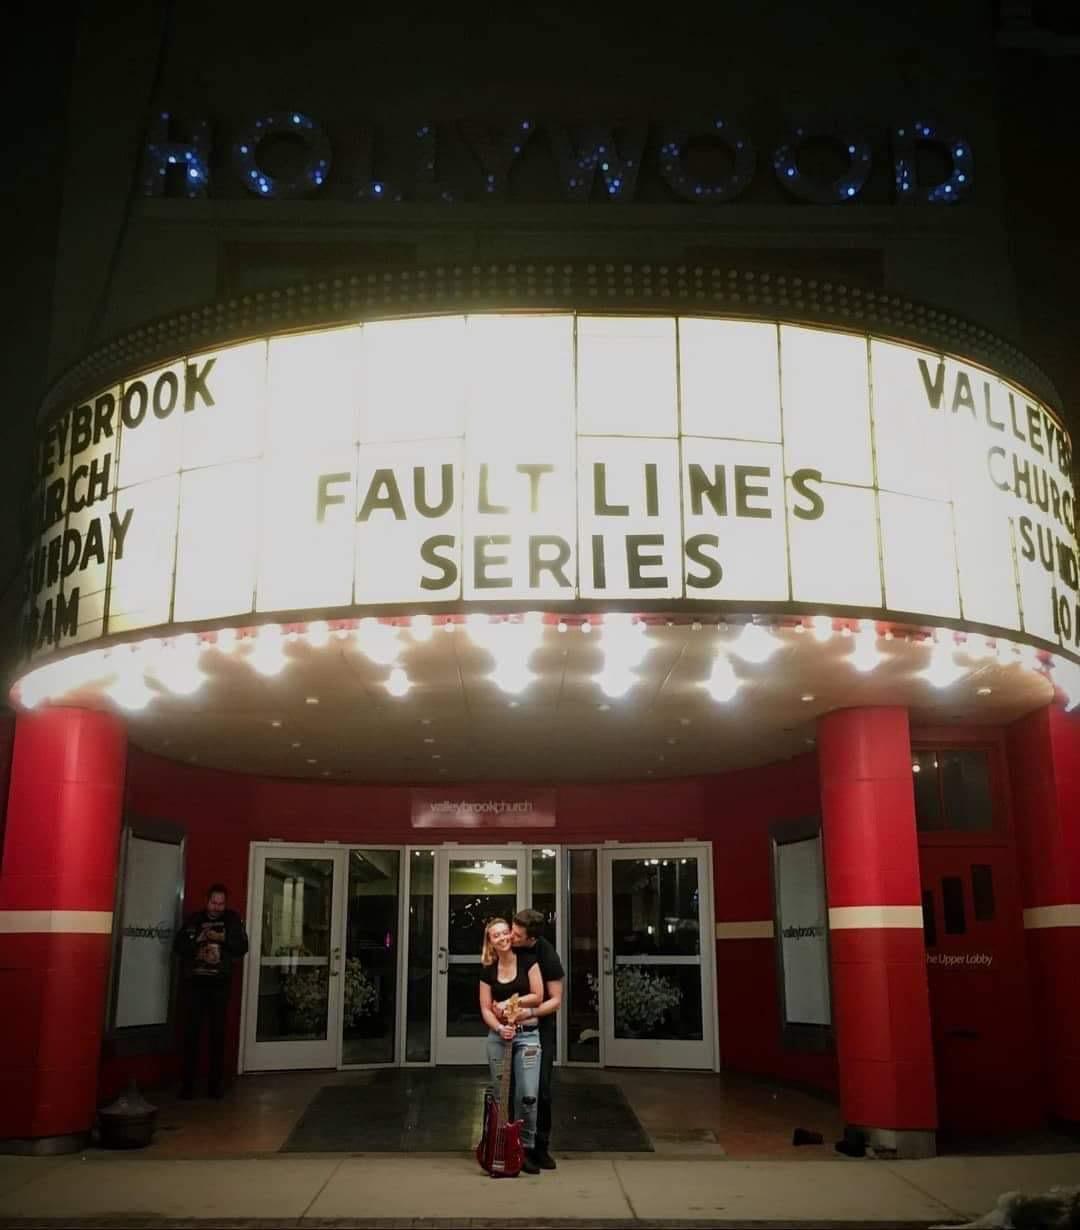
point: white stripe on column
(857, 917)
(56, 922)
(745, 930)
(1053, 916)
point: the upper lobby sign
(540, 457)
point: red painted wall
(224, 812)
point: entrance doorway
(371, 956)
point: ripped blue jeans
(526, 1065)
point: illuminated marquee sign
(547, 457)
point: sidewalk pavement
(97, 1188)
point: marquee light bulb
(723, 683)
(226, 640)
(823, 627)
(176, 666)
(268, 656)
(421, 627)
(377, 642)
(865, 656)
(754, 644)
(318, 633)
(129, 688)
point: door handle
(607, 967)
(441, 962)
(335, 958)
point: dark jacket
(208, 946)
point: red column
(57, 884)
(881, 1007)
(1044, 769)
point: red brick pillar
(881, 1007)
(57, 885)
(1044, 769)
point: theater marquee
(538, 458)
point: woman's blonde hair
(488, 955)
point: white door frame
(638, 1052)
(470, 1050)
(325, 1052)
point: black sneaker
(528, 1164)
(543, 1159)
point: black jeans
(548, 1046)
(206, 998)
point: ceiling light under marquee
(823, 627)
(398, 683)
(129, 688)
(723, 683)
(175, 665)
(943, 669)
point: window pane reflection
(463, 1019)
(421, 931)
(658, 1002)
(369, 972)
(480, 889)
(655, 906)
(297, 908)
(582, 989)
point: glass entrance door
(293, 1010)
(656, 976)
(473, 885)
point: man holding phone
(208, 943)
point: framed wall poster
(802, 934)
(149, 889)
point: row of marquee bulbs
(174, 664)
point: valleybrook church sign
(539, 458)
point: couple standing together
(517, 960)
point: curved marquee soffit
(621, 287)
(528, 461)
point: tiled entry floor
(684, 1114)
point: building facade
(500, 467)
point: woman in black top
(504, 973)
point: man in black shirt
(208, 943)
(529, 940)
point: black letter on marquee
(166, 392)
(715, 492)
(420, 493)
(482, 562)
(555, 566)
(104, 409)
(652, 498)
(714, 573)
(1028, 549)
(391, 500)
(67, 615)
(599, 564)
(635, 561)
(484, 505)
(935, 391)
(324, 499)
(136, 391)
(195, 384)
(600, 504)
(744, 491)
(447, 567)
(799, 481)
(119, 532)
(534, 472)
